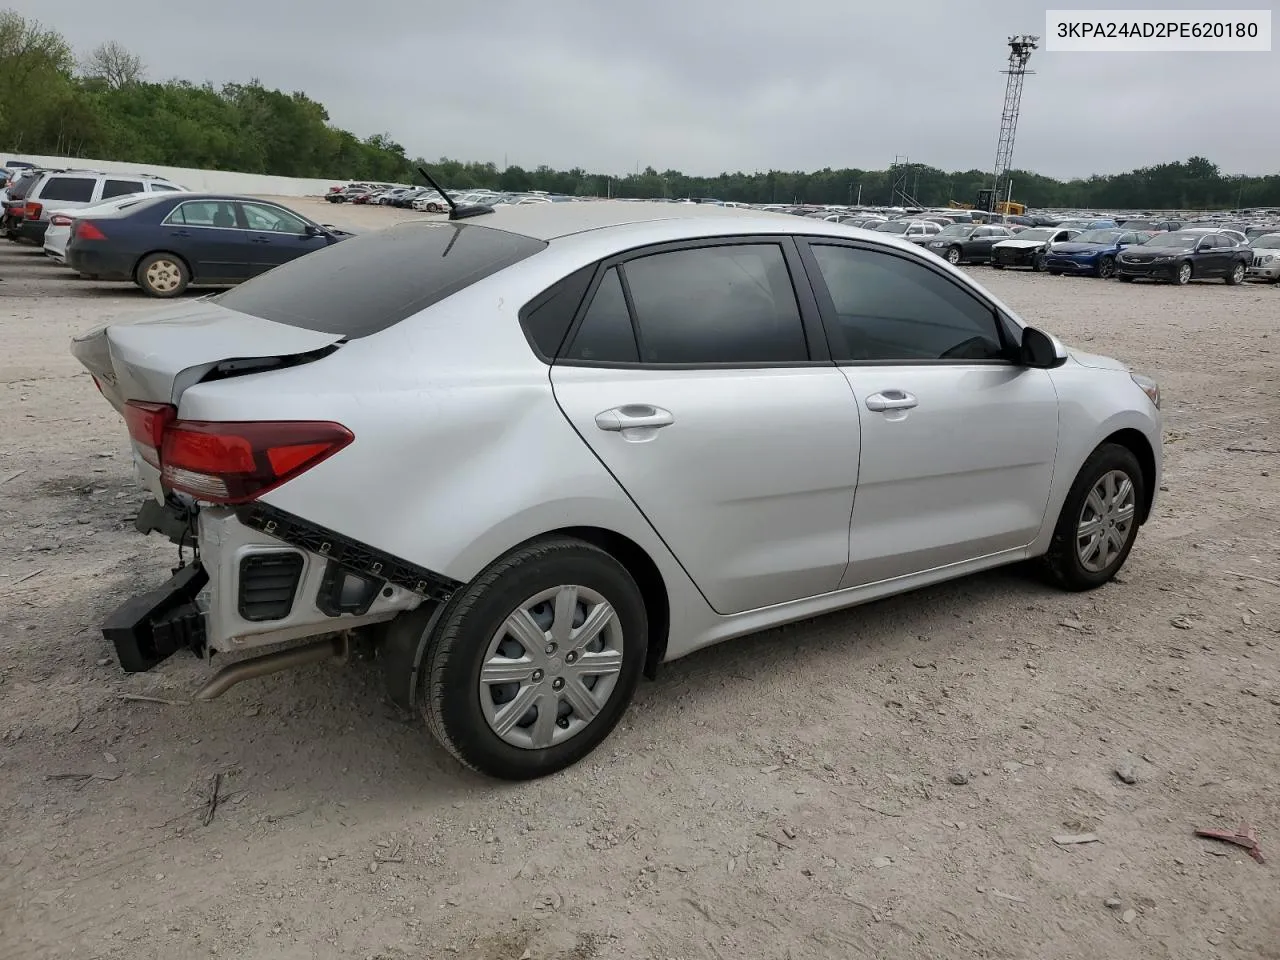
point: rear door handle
(632, 416)
(891, 400)
(181, 233)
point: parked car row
(161, 237)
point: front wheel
(1099, 520)
(1107, 268)
(162, 275)
(1184, 274)
(953, 256)
(534, 662)
(1236, 276)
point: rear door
(276, 235)
(208, 235)
(957, 442)
(699, 375)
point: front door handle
(891, 400)
(261, 239)
(632, 416)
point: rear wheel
(534, 662)
(1107, 268)
(1037, 263)
(1184, 274)
(1236, 276)
(162, 275)
(1099, 520)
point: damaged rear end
(256, 578)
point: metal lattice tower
(1020, 48)
(899, 182)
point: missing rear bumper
(153, 626)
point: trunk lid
(159, 357)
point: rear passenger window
(722, 304)
(119, 188)
(548, 317)
(70, 189)
(606, 334)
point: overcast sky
(709, 85)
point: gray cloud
(705, 86)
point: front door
(705, 389)
(207, 234)
(276, 236)
(958, 442)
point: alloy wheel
(953, 256)
(551, 667)
(1106, 519)
(1184, 273)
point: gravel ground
(884, 782)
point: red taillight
(226, 462)
(147, 422)
(238, 462)
(59, 220)
(32, 210)
(87, 230)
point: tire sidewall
(1236, 276)
(467, 629)
(1184, 274)
(1107, 268)
(954, 256)
(1106, 458)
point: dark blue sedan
(167, 243)
(1093, 252)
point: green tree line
(103, 106)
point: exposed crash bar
(332, 648)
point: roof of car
(547, 221)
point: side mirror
(1040, 351)
(315, 230)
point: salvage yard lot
(881, 782)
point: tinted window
(724, 304)
(261, 216)
(547, 318)
(606, 332)
(890, 308)
(204, 213)
(163, 188)
(370, 282)
(118, 188)
(71, 189)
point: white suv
(65, 190)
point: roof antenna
(456, 212)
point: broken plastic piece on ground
(1244, 836)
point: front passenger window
(890, 308)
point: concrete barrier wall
(211, 181)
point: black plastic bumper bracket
(150, 627)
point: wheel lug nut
(537, 675)
(570, 657)
(551, 648)
(557, 683)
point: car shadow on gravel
(350, 744)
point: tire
(1107, 268)
(1184, 274)
(953, 256)
(1037, 263)
(162, 275)
(1236, 276)
(463, 712)
(996, 266)
(434, 207)
(1066, 565)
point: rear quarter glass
(368, 283)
